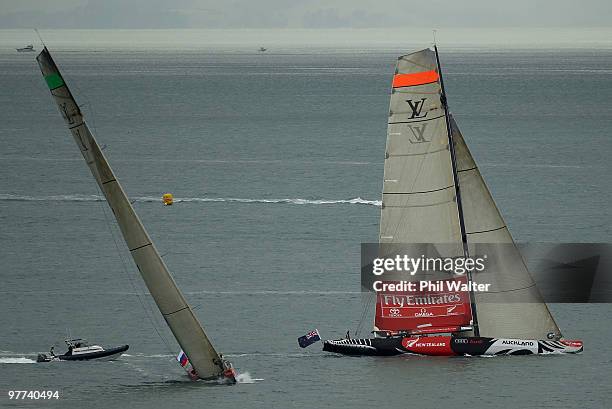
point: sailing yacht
(204, 361)
(434, 196)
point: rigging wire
(368, 305)
(40, 37)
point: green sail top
(54, 80)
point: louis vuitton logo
(418, 131)
(417, 107)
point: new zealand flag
(309, 339)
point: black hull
(369, 346)
(107, 353)
(94, 355)
(449, 346)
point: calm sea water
(298, 139)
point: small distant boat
(262, 49)
(27, 49)
(80, 350)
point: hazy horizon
(308, 23)
(317, 14)
(289, 39)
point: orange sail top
(417, 78)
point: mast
(206, 362)
(451, 145)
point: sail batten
(176, 311)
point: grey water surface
(276, 163)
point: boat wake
(14, 360)
(97, 198)
(141, 355)
(271, 354)
(245, 377)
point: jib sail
(513, 308)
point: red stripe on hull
(436, 346)
(571, 343)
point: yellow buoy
(167, 199)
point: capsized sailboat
(433, 193)
(206, 362)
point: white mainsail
(419, 202)
(418, 198)
(178, 314)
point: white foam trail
(270, 354)
(182, 160)
(245, 377)
(57, 198)
(544, 165)
(136, 368)
(21, 360)
(141, 355)
(97, 198)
